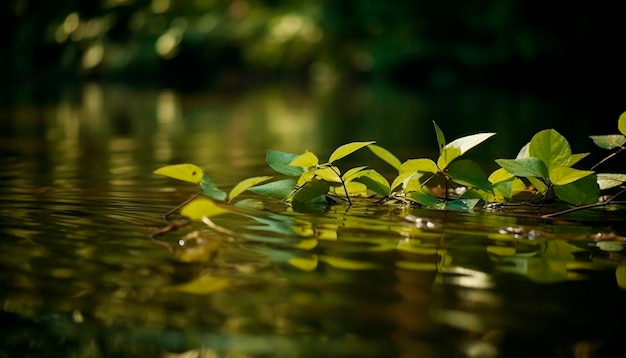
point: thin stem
(588, 206)
(621, 149)
(343, 183)
(181, 205)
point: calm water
(80, 277)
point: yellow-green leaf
(203, 285)
(186, 172)
(621, 123)
(347, 264)
(330, 174)
(575, 158)
(566, 175)
(304, 263)
(419, 165)
(354, 189)
(202, 207)
(448, 154)
(500, 175)
(245, 184)
(347, 149)
(385, 155)
(352, 174)
(305, 160)
(403, 178)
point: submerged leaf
(279, 161)
(347, 149)
(610, 141)
(245, 184)
(581, 192)
(551, 147)
(186, 172)
(201, 208)
(385, 155)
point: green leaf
(608, 181)
(575, 158)
(538, 184)
(347, 149)
(566, 175)
(210, 189)
(524, 167)
(621, 123)
(425, 198)
(609, 142)
(385, 155)
(245, 184)
(441, 140)
(185, 172)
(461, 204)
(352, 174)
(279, 190)
(508, 188)
(306, 160)
(279, 161)
(499, 175)
(202, 207)
(470, 174)
(581, 192)
(311, 190)
(374, 181)
(423, 165)
(468, 142)
(447, 156)
(551, 147)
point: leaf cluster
(544, 167)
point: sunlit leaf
(203, 285)
(279, 190)
(448, 154)
(352, 174)
(581, 192)
(185, 172)
(508, 188)
(524, 167)
(210, 189)
(610, 141)
(245, 184)
(385, 155)
(551, 147)
(305, 160)
(608, 181)
(374, 182)
(347, 264)
(499, 175)
(468, 173)
(310, 190)
(347, 149)
(566, 175)
(441, 139)
(307, 244)
(621, 123)
(468, 142)
(202, 207)
(354, 189)
(403, 178)
(279, 161)
(419, 165)
(461, 204)
(252, 204)
(329, 173)
(575, 158)
(304, 263)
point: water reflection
(77, 265)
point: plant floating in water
(543, 171)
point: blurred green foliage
(234, 41)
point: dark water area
(80, 276)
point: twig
(588, 206)
(181, 205)
(621, 149)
